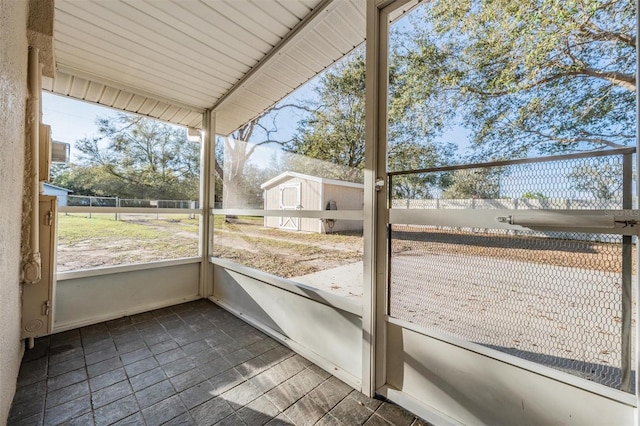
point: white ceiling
(173, 59)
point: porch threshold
(191, 364)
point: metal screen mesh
(572, 183)
(554, 298)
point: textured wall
(13, 92)
(40, 33)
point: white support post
(206, 197)
(636, 279)
(211, 197)
(376, 253)
(373, 309)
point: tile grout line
(184, 327)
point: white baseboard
(57, 328)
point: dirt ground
(100, 241)
(289, 254)
(285, 254)
(553, 301)
(593, 255)
(562, 295)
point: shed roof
(174, 59)
(68, 191)
(287, 175)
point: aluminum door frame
(377, 354)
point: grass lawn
(75, 229)
(101, 240)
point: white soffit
(173, 59)
(336, 30)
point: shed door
(290, 200)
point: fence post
(117, 205)
(90, 205)
(627, 271)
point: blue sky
(71, 119)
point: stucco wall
(13, 66)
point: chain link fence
(555, 298)
(90, 201)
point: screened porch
(386, 292)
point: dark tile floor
(190, 364)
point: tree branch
(597, 33)
(581, 139)
(626, 81)
(219, 170)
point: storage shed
(297, 191)
(61, 193)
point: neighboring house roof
(288, 175)
(48, 185)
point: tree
(601, 180)
(293, 162)
(529, 195)
(532, 75)
(334, 131)
(234, 153)
(239, 179)
(474, 183)
(135, 157)
(414, 156)
(88, 180)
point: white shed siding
(310, 195)
(56, 191)
(315, 193)
(346, 198)
(271, 203)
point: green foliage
(533, 75)
(523, 77)
(90, 180)
(474, 183)
(134, 157)
(602, 180)
(334, 131)
(330, 141)
(534, 196)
